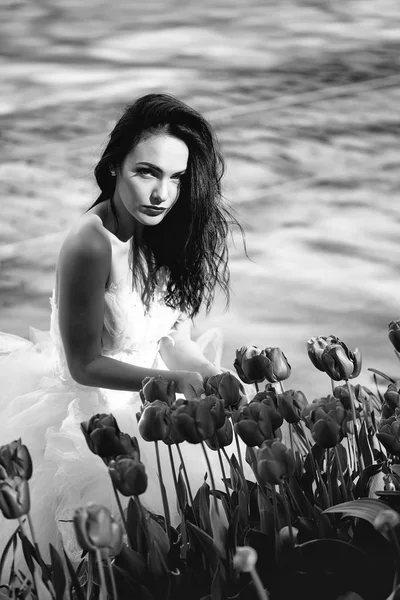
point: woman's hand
(190, 384)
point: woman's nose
(160, 192)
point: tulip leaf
(12, 540)
(181, 492)
(201, 505)
(74, 579)
(58, 575)
(217, 585)
(206, 543)
(363, 508)
(382, 375)
(233, 530)
(132, 562)
(128, 588)
(365, 446)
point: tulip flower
(389, 434)
(14, 497)
(257, 421)
(128, 475)
(251, 364)
(158, 388)
(95, 528)
(155, 421)
(15, 460)
(275, 462)
(327, 433)
(392, 396)
(222, 437)
(326, 418)
(331, 355)
(278, 367)
(290, 405)
(197, 420)
(315, 348)
(394, 334)
(245, 559)
(105, 439)
(225, 386)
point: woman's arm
(83, 271)
(184, 353)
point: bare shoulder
(85, 248)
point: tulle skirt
(46, 412)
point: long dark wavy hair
(190, 245)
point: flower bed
(318, 518)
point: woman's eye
(145, 172)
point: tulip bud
(290, 405)
(105, 439)
(128, 475)
(14, 497)
(225, 386)
(155, 421)
(158, 388)
(222, 437)
(274, 462)
(94, 527)
(196, 420)
(327, 433)
(251, 364)
(278, 368)
(16, 460)
(394, 334)
(386, 519)
(315, 348)
(392, 396)
(389, 435)
(245, 559)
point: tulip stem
(341, 476)
(121, 512)
(333, 386)
(261, 592)
(24, 534)
(316, 472)
(256, 386)
(171, 460)
(275, 505)
(328, 477)
(211, 477)
(42, 563)
(282, 388)
(223, 472)
(102, 575)
(113, 584)
(90, 576)
(163, 494)
(353, 412)
(185, 475)
(238, 447)
(287, 512)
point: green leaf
(201, 505)
(365, 446)
(206, 543)
(132, 562)
(382, 375)
(12, 540)
(74, 579)
(58, 575)
(157, 563)
(363, 483)
(181, 491)
(217, 585)
(364, 508)
(233, 530)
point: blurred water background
(305, 98)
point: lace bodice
(130, 333)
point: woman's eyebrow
(147, 164)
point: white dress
(41, 404)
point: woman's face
(148, 180)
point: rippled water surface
(305, 101)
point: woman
(131, 274)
